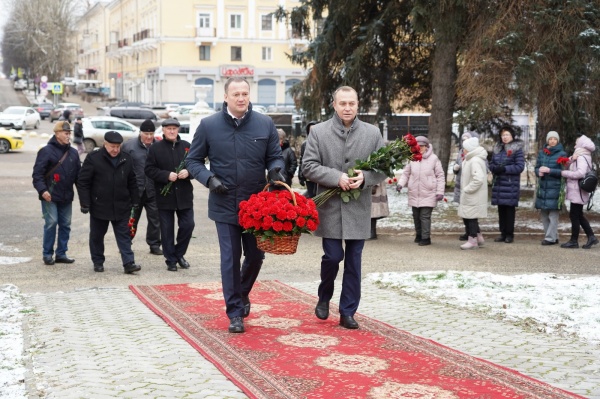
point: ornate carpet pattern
(287, 352)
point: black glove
(85, 209)
(215, 186)
(500, 169)
(275, 175)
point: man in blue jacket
(55, 172)
(241, 145)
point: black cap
(147, 126)
(113, 137)
(170, 122)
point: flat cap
(62, 125)
(170, 122)
(113, 137)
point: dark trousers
(174, 250)
(330, 265)
(237, 279)
(98, 229)
(472, 227)
(578, 219)
(311, 189)
(506, 220)
(153, 229)
(422, 220)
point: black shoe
(131, 267)
(348, 322)
(66, 259)
(500, 239)
(171, 266)
(592, 240)
(48, 260)
(418, 238)
(99, 268)
(463, 237)
(246, 302)
(183, 263)
(546, 242)
(424, 242)
(322, 310)
(509, 239)
(236, 325)
(156, 251)
(570, 244)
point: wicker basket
(280, 245)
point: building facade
(159, 51)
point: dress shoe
(509, 239)
(546, 242)
(418, 238)
(322, 310)
(500, 239)
(48, 260)
(426, 241)
(156, 251)
(463, 237)
(99, 268)
(171, 266)
(348, 322)
(592, 240)
(236, 325)
(183, 263)
(570, 244)
(131, 267)
(246, 302)
(66, 259)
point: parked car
(44, 109)
(184, 132)
(135, 115)
(182, 113)
(9, 142)
(95, 127)
(20, 84)
(20, 118)
(76, 111)
(163, 112)
(132, 104)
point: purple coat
(577, 169)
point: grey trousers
(422, 219)
(550, 222)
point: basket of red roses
(278, 218)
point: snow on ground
(12, 370)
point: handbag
(588, 183)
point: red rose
(56, 177)
(417, 157)
(508, 153)
(546, 151)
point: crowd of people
(247, 152)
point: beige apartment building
(177, 51)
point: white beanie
(471, 144)
(551, 134)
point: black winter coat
(108, 190)
(139, 153)
(289, 159)
(68, 171)
(163, 158)
(77, 133)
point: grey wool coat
(331, 150)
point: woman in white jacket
(473, 191)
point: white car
(20, 118)
(184, 132)
(95, 127)
(182, 113)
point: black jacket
(289, 159)
(163, 158)
(108, 190)
(68, 171)
(77, 133)
(139, 153)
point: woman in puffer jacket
(426, 184)
(506, 165)
(580, 163)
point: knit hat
(147, 126)
(471, 144)
(551, 134)
(422, 140)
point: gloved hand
(500, 169)
(398, 188)
(456, 167)
(215, 186)
(275, 175)
(439, 197)
(84, 209)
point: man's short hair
(281, 134)
(343, 88)
(235, 79)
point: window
(204, 53)
(266, 54)
(203, 20)
(236, 53)
(235, 21)
(266, 22)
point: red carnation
(546, 151)
(508, 153)
(300, 222)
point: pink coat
(424, 179)
(578, 169)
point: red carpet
(287, 352)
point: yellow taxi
(10, 141)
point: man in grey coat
(332, 148)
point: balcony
(143, 41)
(206, 35)
(297, 40)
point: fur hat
(551, 134)
(471, 144)
(62, 125)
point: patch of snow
(12, 369)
